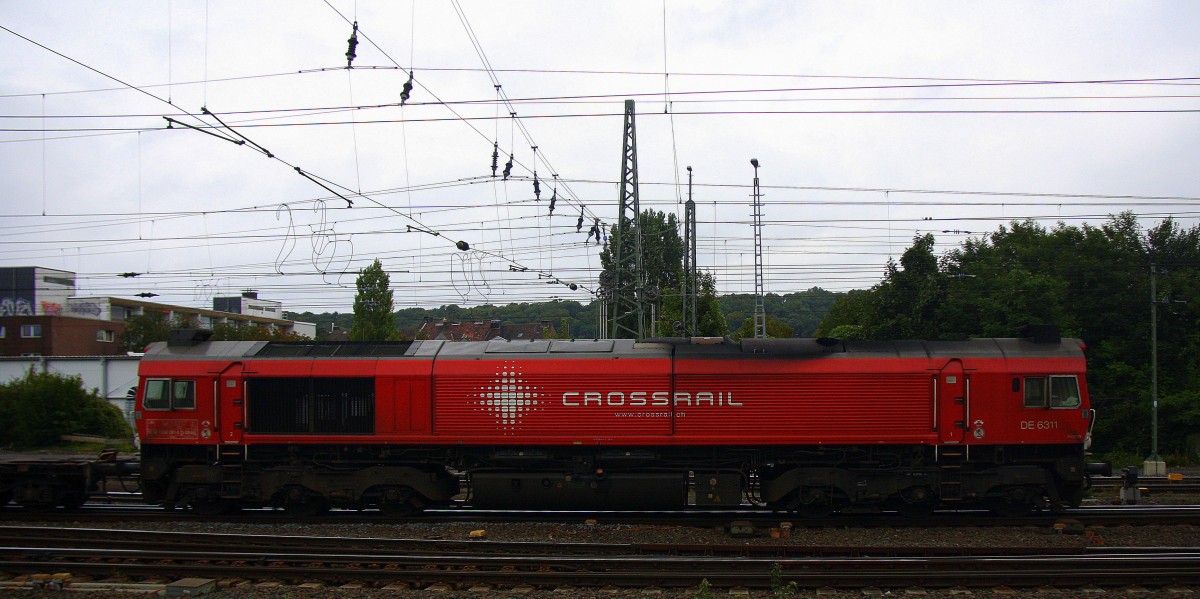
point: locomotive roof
(664, 347)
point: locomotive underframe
(811, 480)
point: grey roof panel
(581, 346)
(215, 349)
(534, 346)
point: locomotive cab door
(953, 402)
(230, 405)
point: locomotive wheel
(209, 506)
(400, 501)
(37, 498)
(37, 507)
(812, 503)
(74, 501)
(307, 508)
(1016, 502)
(301, 503)
(204, 501)
(398, 510)
(1073, 494)
(916, 502)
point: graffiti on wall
(51, 308)
(18, 306)
(84, 308)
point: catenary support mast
(628, 312)
(760, 310)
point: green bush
(37, 409)
(1120, 458)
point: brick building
(47, 335)
(40, 315)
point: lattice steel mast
(690, 289)
(760, 310)
(628, 314)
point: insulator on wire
(353, 42)
(553, 200)
(579, 223)
(495, 157)
(407, 89)
(508, 167)
(595, 230)
(537, 187)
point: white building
(248, 303)
(34, 291)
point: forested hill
(801, 311)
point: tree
(802, 310)
(848, 332)
(662, 266)
(906, 304)
(852, 309)
(710, 320)
(776, 329)
(40, 407)
(233, 332)
(144, 329)
(374, 319)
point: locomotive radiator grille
(311, 405)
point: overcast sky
(872, 121)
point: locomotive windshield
(164, 394)
(1051, 392)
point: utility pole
(760, 310)
(690, 288)
(628, 319)
(1153, 367)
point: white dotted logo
(509, 397)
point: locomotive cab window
(183, 395)
(1051, 392)
(1064, 392)
(165, 394)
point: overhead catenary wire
(243, 140)
(409, 71)
(570, 196)
(440, 208)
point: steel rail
(1110, 567)
(82, 538)
(1094, 514)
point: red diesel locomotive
(805, 425)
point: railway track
(1153, 485)
(1109, 515)
(464, 564)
